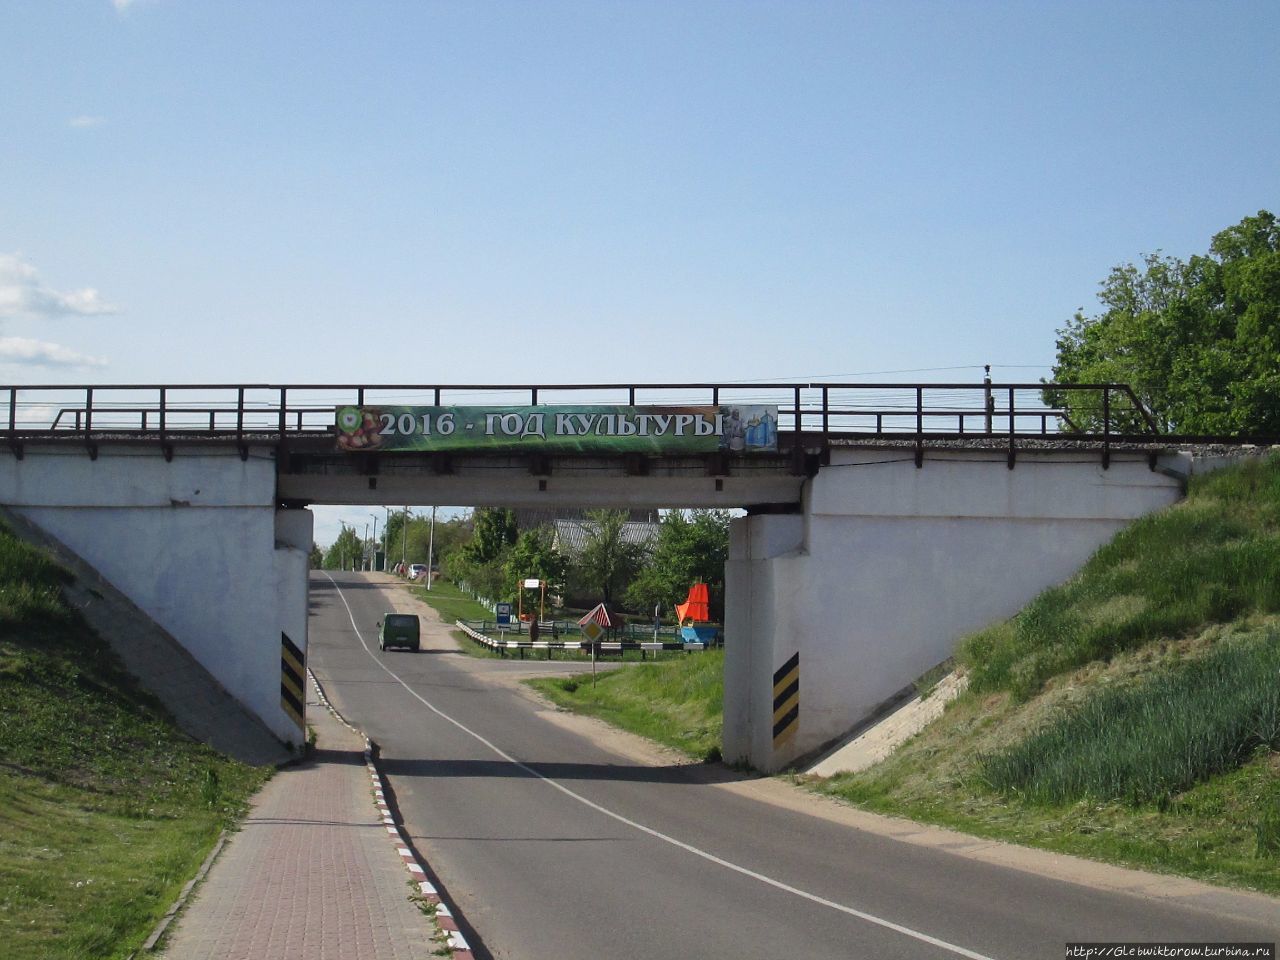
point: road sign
(592, 630)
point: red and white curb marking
(444, 916)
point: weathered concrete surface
(880, 740)
(197, 542)
(200, 705)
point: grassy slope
(106, 809)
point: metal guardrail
(810, 414)
(633, 630)
(602, 647)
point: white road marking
(656, 834)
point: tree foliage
(608, 562)
(494, 531)
(534, 558)
(479, 564)
(415, 540)
(1198, 341)
(691, 548)
(346, 552)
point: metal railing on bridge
(810, 415)
(898, 409)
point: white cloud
(84, 121)
(38, 353)
(23, 295)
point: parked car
(398, 630)
(417, 570)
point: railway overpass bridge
(883, 521)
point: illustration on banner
(548, 429)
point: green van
(398, 630)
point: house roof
(570, 536)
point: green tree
(534, 558)
(1198, 341)
(494, 531)
(479, 565)
(413, 542)
(608, 561)
(346, 552)
(450, 536)
(691, 548)
(315, 559)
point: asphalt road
(555, 848)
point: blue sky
(199, 191)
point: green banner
(557, 429)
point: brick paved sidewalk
(311, 875)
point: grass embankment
(678, 702)
(106, 809)
(1132, 714)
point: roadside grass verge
(471, 648)
(106, 808)
(451, 603)
(1217, 831)
(677, 702)
(1224, 829)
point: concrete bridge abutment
(832, 611)
(196, 542)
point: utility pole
(373, 544)
(404, 535)
(431, 544)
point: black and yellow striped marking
(292, 669)
(786, 700)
